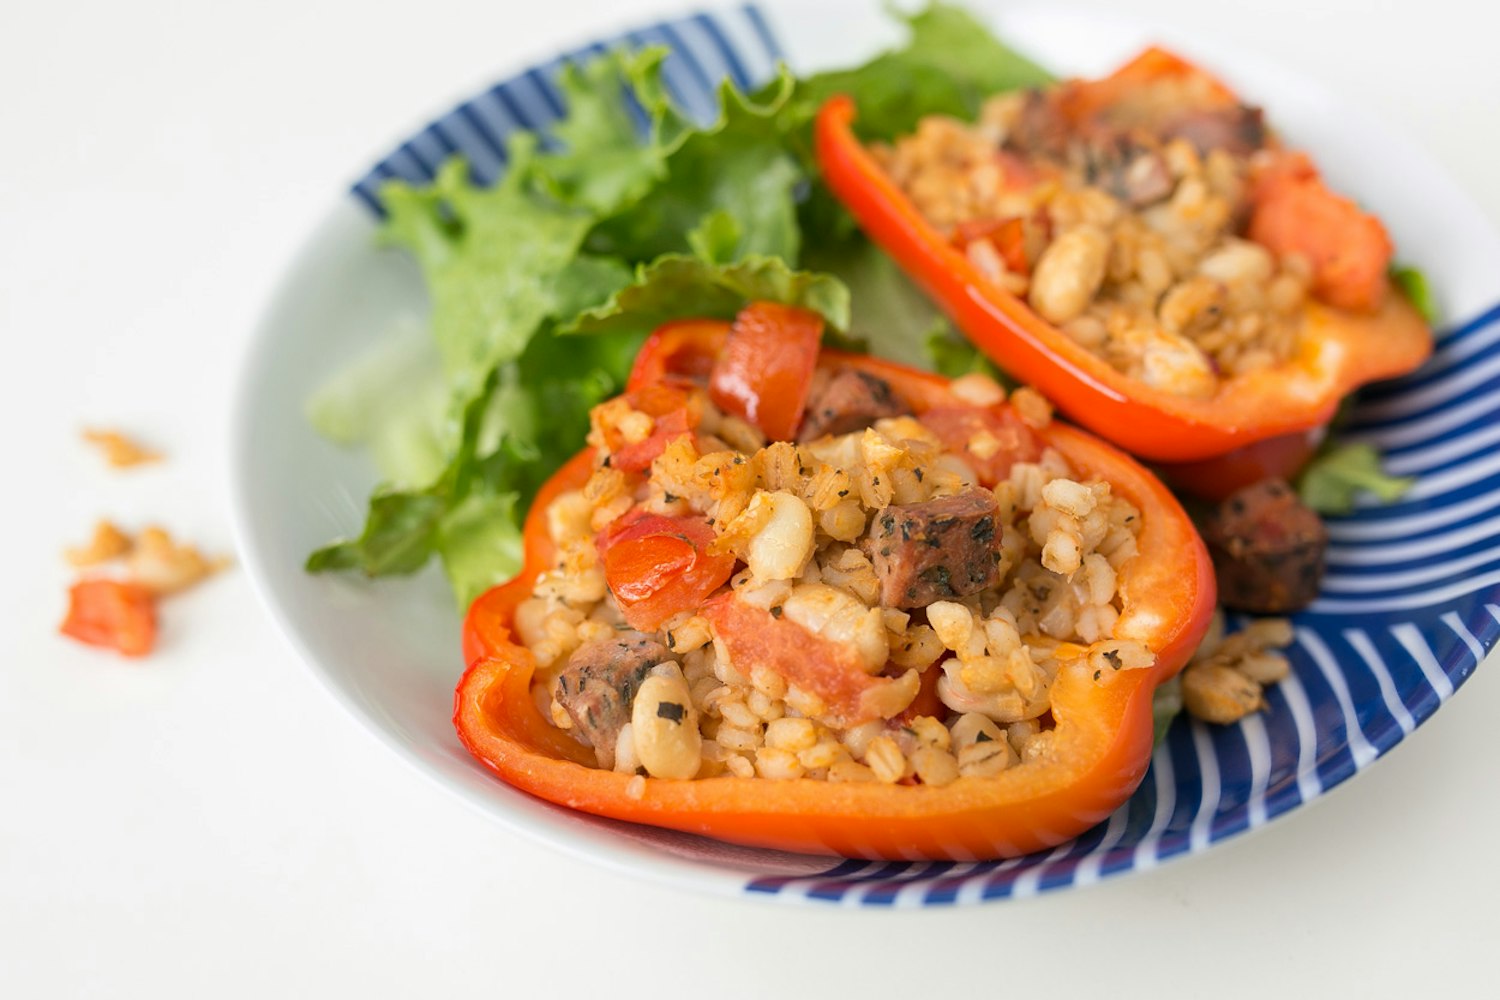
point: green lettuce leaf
(950, 64)
(398, 536)
(479, 540)
(606, 162)
(1414, 285)
(888, 314)
(677, 285)
(393, 401)
(739, 168)
(1330, 483)
(623, 217)
(493, 260)
(951, 355)
(1166, 705)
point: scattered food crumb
(119, 611)
(1227, 677)
(118, 450)
(165, 567)
(108, 542)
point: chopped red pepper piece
(114, 614)
(754, 636)
(1295, 213)
(680, 353)
(765, 371)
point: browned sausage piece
(1267, 548)
(599, 684)
(850, 401)
(1128, 168)
(936, 550)
(1239, 130)
(1041, 129)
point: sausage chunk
(1239, 131)
(599, 685)
(1267, 548)
(1041, 129)
(935, 550)
(850, 401)
(1127, 167)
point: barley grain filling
(1127, 232)
(949, 599)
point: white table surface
(209, 823)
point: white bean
(1069, 273)
(665, 725)
(781, 548)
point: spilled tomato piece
(112, 613)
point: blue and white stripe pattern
(1410, 604)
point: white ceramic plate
(1412, 598)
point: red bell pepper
(1220, 477)
(1102, 741)
(1340, 350)
(114, 614)
(678, 353)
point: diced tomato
(657, 566)
(1017, 172)
(1008, 236)
(677, 411)
(1019, 241)
(990, 442)
(113, 614)
(756, 637)
(1295, 213)
(765, 371)
(639, 456)
(678, 353)
(1132, 86)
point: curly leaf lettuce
(949, 65)
(739, 168)
(678, 285)
(624, 216)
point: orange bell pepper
(1104, 723)
(1340, 349)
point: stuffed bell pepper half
(814, 601)
(1143, 250)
